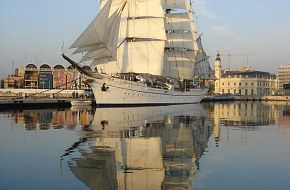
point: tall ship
(143, 53)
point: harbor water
(238, 145)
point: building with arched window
(31, 76)
(245, 82)
(45, 80)
(46, 77)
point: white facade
(244, 82)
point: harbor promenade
(39, 98)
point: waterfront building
(283, 75)
(12, 81)
(31, 76)
(245, 82)
(45, 77)
(45, 80)
(15, 80)
(59, 77)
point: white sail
(116, 4)
(146, 28)
(180, 40)
(179, 64)
(141, 38)
(176, 4)
(145, 8)
(141, 57)
(94, 34)
(138, 8)
(180, 48)
(100, 38)
(173, 24)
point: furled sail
(181, 32)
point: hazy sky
(34, 30)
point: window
(246, 92)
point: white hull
(124, 92)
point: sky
(33, 31)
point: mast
(181, 33)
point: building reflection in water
(247, 116)
(143, 148)
(56, 119)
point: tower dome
(218, 61)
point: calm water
(209, 146)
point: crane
(229, 55)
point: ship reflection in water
(143, 148)
(167, 147)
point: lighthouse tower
(218, 73)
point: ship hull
(118, 92)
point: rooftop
(249, 73)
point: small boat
(81, 102)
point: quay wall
(246, 98)
(262, 98)
(53, 93)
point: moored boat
(81, 102)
